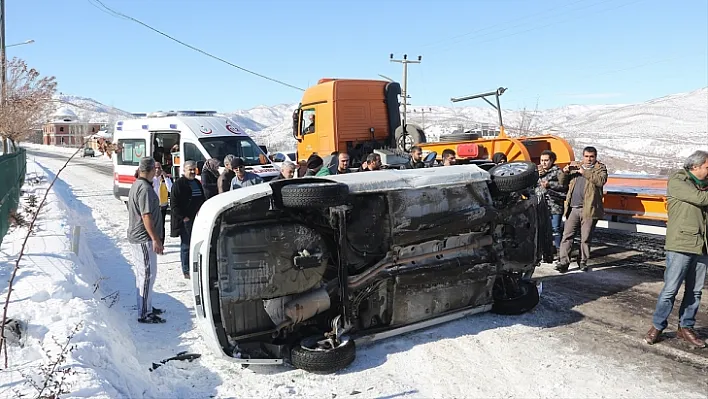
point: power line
(101, 6)
(495, 25)
(533, 28)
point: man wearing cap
(242, 177)
(144, 236)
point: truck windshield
(242, 147)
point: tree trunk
(4, 144)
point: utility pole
(405, 61)
(3, 58)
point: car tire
(324, 361)
(314, 195)
(519, 304)
(514, 176)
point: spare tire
(314, 195)
(514, 176)
(459, 137)
(414, 136)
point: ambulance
(177, 136)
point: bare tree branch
(24, 107)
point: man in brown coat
(583, 205)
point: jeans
(185, 235)
(681, 267)
(556, 224)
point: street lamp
(21, 44)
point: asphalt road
(94, 163)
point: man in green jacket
(583, 205)
(686, 249)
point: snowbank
(55, 291)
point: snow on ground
(486, 356)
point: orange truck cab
(352, 115)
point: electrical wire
(444, 49)
(101, 6)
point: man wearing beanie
(314, 164)
(144, 236)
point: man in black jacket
(185, 200)
(416, 161)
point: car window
(242, 147)
(192, 153)
(279, 157)
(131, 151)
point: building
(65, 129)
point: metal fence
(12, 177)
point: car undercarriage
(303, 273)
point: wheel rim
(510, 169)
(314, 344)
(405, 142)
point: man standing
(186, 199)
(224, 180)
(243, 178)
(341, 167)
(555, 193)
(373, 162)
(416, 161)
(583, 205)
(449, 157)
(287, 171)
(686, 249)
(144, 220)
(162, 185)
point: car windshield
(242, 147)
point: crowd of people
(573, 194)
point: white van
(177, 136)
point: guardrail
(12, 176)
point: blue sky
(551, 51)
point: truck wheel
(308, 355)
(314, 195)
(514, 176)
(514, 299)
(415, 136)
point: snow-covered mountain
(648, 137)
(88, 109)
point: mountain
(88, 109)
(649, 137)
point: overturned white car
(299, 270)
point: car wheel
(515, 300)
(314, 195)
(311, 356)
(514, 176)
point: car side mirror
(429, 159)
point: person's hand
(157, 246)
(544, 184)
(185, 220)
(581, 171)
